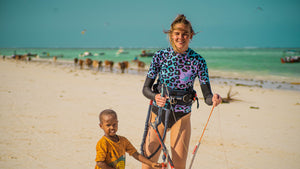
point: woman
(176, 67)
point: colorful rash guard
(178, 71)
(113, 153)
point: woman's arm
(208, 96)
(147, 88)
(160, 101)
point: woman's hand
(160, 101)
(216, 99)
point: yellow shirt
(113, 153)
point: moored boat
(85, 54)
(121, 51)
(290, 56)
(146, 54)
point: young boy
(111, 147)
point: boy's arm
(103, 165)
(143, 159)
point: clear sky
(139, 23)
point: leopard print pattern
(178, 71)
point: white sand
(49, 119)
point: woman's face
(181, 36)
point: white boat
(121, 51)
(85, 54)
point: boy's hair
(107, 112)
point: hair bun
(180, 17)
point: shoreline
(218, 77)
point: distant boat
(85, 54)
(49, 56)
(146, 54)
(290, 56)
(31, 54)
(121, 51)
(290, 59)
(99, 54)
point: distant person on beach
(176, 68)
(111, 148)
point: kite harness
(180, 97)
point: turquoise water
(246, 62)
(262, 62)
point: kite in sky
(259, 8)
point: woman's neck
(183, 51)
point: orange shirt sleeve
(101, 149)
(130, 149)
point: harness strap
(154, 125)
(180, 97)
(146, 128)
(161, 139)
(167, 114)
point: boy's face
(109, 124)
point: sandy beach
(49, 119)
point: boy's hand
(156, 165)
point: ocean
(260, 64)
